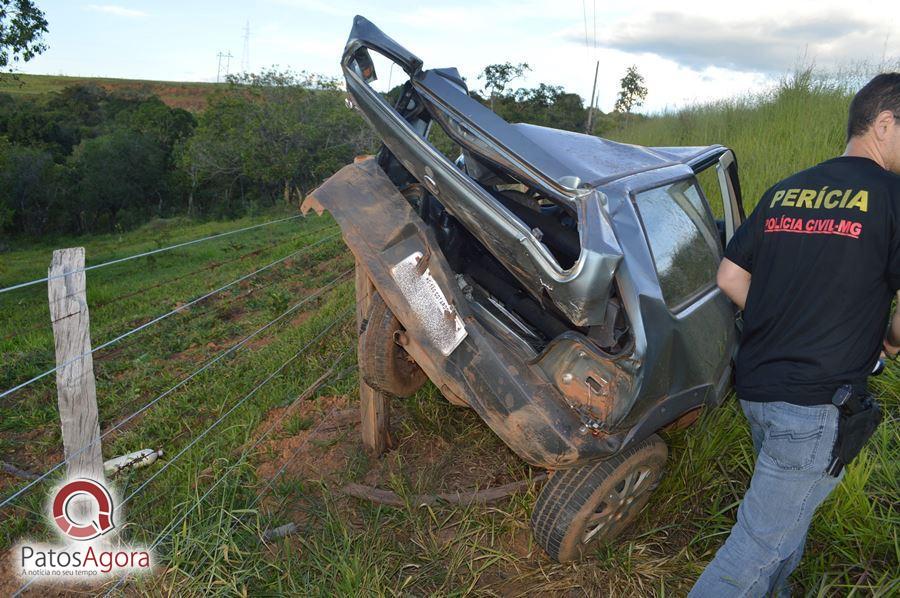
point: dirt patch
(259, 342)
(431, 464)
(234, 312)
(326, 449)
(315, 453)
(34, 452)
(193, 354)
(301, 318)
(331, 264)
(9, 582)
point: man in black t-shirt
(814, 268)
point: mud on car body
(559, 284)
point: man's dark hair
(879, 94)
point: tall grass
(775, 133)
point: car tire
(592, 504)
(385, 365)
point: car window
(682, 239)
(709, 185)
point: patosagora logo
(82, 512)
(87, 489)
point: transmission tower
(227, 58)
(245, 55)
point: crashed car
(559, 284)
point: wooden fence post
(75, 384)
(374, 416)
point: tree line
(89, 160)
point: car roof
(596, 160)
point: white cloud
(763, 44)
(119, 11)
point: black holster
(859, 416)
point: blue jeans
(793, 447)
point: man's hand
(891, 342)
(734, 282)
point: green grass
(350, 547)
(180, 94)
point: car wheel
(590, 505)
(385, 365)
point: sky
(688, 52)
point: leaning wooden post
(373, 406)
(75, 385)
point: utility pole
(245, 55)
(590, 119)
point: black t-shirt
(823, 249)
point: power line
(146, 253)
(245, 55)
(584, 10)
(209, 363)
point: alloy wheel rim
(618, 504)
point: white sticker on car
(442, 325)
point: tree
(167, 126)
(22, 25)
(633, 93)
(280, 131)
(29, 188)
(498, 76)
(121, 177)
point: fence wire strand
(246, 397)
(211, 266)
(339, 319)
(147, 253)
(209, 363)
(162, 317)
(315, 386)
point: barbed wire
(147, 253)
(158, 319)
(209, 363)
(223, 303)
(315, 386)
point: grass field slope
(190, 96)
(283, 455)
